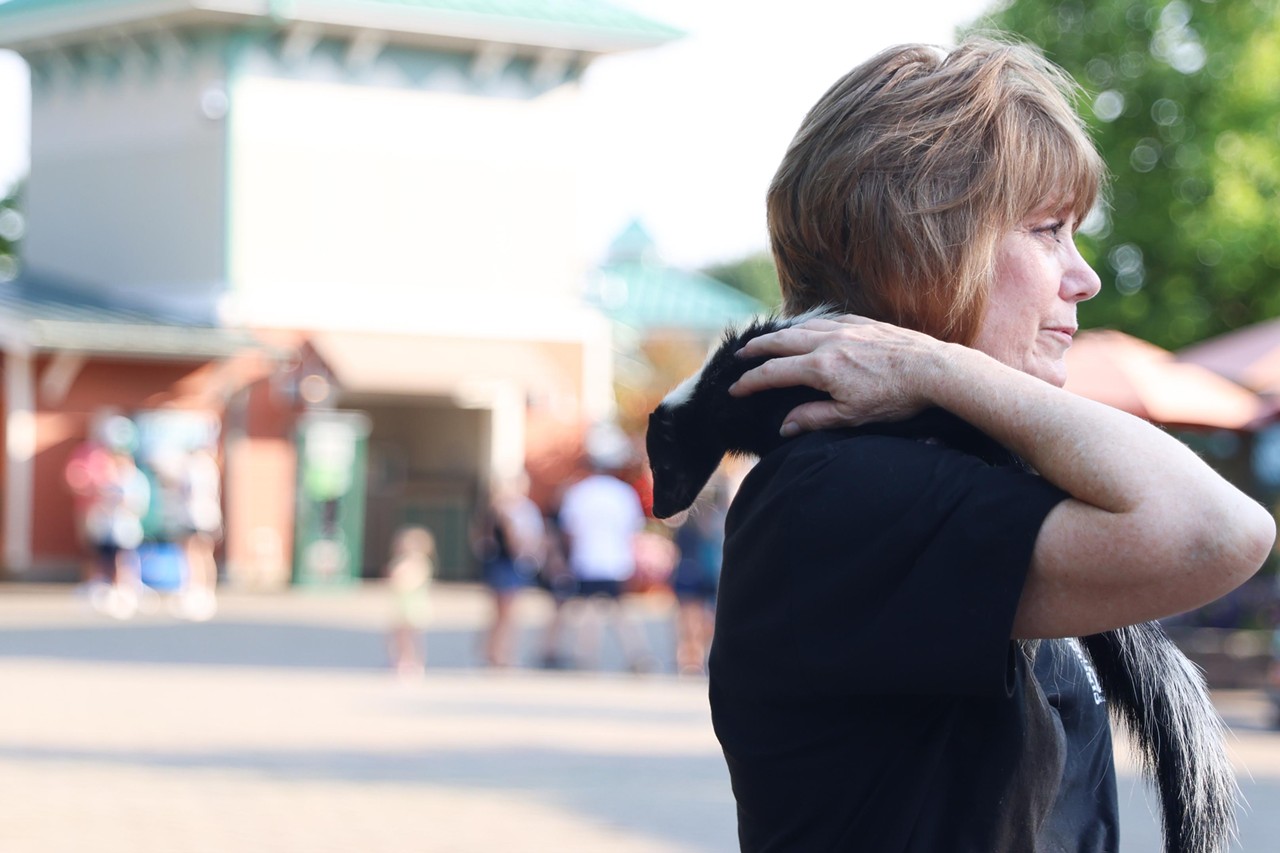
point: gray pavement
(278, 727)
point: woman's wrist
(950, 369)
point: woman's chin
(1053, 372)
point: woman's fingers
(864, 365)
(791, 341)
(778, 372)
(801, 338)
(807, 417)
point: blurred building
(640, 291)
(342, 229)
(665, 319)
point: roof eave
(38, 29)
(139, 341)
(41, 29)
(124, 340)
(461, 26)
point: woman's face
(1031, 308)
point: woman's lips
(1064, 334)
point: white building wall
(127, 181)
(400, 201)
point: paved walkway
(277, 728)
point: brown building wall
(261, 477)
(63, 423)
(257, 401)
(263, 497)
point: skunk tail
(1161, 698)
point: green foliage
(754, 275)
(11, 230)
(1183, 101)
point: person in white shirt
(600, 517)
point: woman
(885, 674)
(510, 541)
(699, 539)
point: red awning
(1148, 381)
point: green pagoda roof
(636, 288)
(590, 26)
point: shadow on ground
(226, 643)
(256, 644)
(624, 790)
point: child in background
(409, 574)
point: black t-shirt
(1086, 814)
(863, 684)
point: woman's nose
(1079, 281)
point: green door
(329, 526)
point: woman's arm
(1150, 531)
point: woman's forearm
(1151, 529)
(1098, 454)
(1155, 530)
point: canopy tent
(1145, 380)
(1249, 356)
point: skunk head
(683, 450)
(698, 422)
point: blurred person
(87, 468)
(409, 573)
(162, 566)
(201, 529)
(512, 546)
(905, 570)
(119, 499)
(558, 581)
(655, 557)
(600, 519)
(1273, 678)
(699, 539)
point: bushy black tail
(1161, 698)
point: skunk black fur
(698, 423)
(1151, 687)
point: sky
(691, 133)
(686, 136)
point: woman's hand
(873, 371)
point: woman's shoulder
(836, 452)
(884, 470)
(926, 438)
(844, 469)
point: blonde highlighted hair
(902, 178)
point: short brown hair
(891, 197)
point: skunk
(698, 422)
(1152, 689)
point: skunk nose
(665, 504)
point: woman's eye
(1053, 229)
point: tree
(754, 275)
(12, 226)
(1182, 100)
